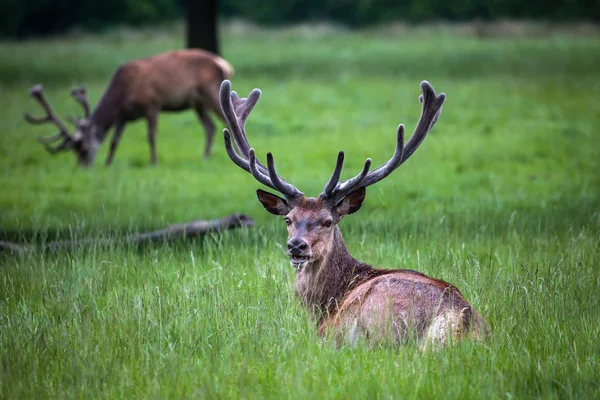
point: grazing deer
(349, 298)
(172, 81)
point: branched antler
(431, 109)
(68, 139)
(80, 95)
(236, 111)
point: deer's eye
(327, 223)
(288, 221)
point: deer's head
(82, 142)
(312, 221)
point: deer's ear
(351, 203)
(273, 204)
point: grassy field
(502, 200)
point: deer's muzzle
(299, 251)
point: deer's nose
(296, 246)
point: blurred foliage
(22, 18)
(360, 13)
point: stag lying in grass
(351, 299)
(173, 81)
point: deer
(172, 81)
(351, 300)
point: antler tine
(239, 161)
(430, 112)
(384, 170)
(332, 187)
(249, 165)
(236, 111)
(352, 184)
(335, 176)
(364, 178)
(258, 175)
(239, 113)
(80, 95)
(37, 93)
(288, 190)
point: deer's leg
(152, 118)
(114, 142)
(209, 127)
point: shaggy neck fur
(322, 284)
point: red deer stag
(172, 81)
(348, 298)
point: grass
(502, 200)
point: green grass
(502, 200)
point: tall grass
(501, 200)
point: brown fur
(172, 81)
(354, 301)
(382, 305)
(349, 299)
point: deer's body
(354, 301)
(348, 298)
(142, 88)
(173, 81)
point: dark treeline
(23, 18)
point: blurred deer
(173, 81)
(351, 299)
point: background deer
(348, 298)
(173, 81)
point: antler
(80, 95)
(431, 109)
(68, 140)
(236, 111)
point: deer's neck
(107, 111)
(322, 284)
(101, 121)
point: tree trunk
(201, 21)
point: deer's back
(171, 81)
(400, 305)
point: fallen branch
(191, 229)
(17, 248)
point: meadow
(502, 200)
